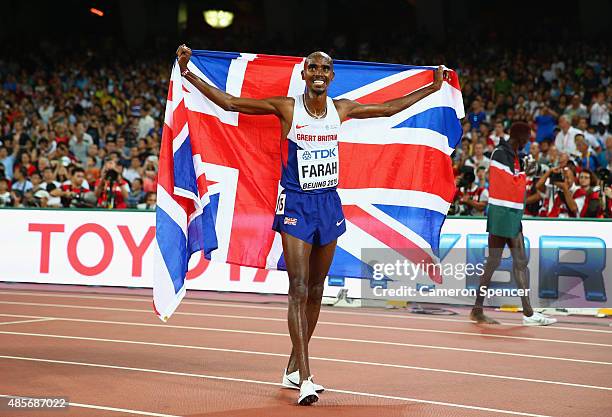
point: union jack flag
(219, 170)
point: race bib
(318, 168)
(280, 204)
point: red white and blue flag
(219, 171)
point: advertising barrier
(568, 262)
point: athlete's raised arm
(348, 109)
(278, 106)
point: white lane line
(99, 407)
(329, 323)
(231, 304)
(336, 360)
(26, 321)
(275, 384)
(339, 339)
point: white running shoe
(538, 319)
(308, 395)
(292, 381)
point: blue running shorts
(314, 218)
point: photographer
(471, 200)
(556, 189)
(585, 201)
(605, 184)
(73, 194)
(534, 171)
(112, 190)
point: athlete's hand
(184, 55)
(440, 75)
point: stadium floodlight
(218, 19)
(97, 12)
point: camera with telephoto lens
(112, 175)
(557, 177)
(467, 176)
(84, 199)
(604, 176)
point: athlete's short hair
(520, 130)
(319, 54)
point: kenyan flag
(506, 196)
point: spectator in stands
(72, 194)
(124, 151)
(477, 115)
(112, 190)
(5, 195)
(49, 184)
(556, 188)
(136, 194)
(534, 151)
(62, 154)
(7, 160)
(135, 170)
(18, 135)
(600, 110)
(40, 199)
(604, 158)
(93, 152)
(461, 153)
(498, 133)
(485, 132)
(44, 148)
(149, 180)
(585, 200)
(590, 84)
(123, 100)
(61, 132)
(17, 199)
(551, 157)
(478, 159)
(470, 199)
(3, 173)
(36, 181)
(150, 202)
(576, 108)
(587, 157)
(503, 85)
(565, 138)
(146, 122)
(20, 181)
(46, 110)
(545, 122)
(588, 133)
(79, 143)
(25, 161)
(481, 178)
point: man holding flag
(507, 187)
(309, 213)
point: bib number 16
(280, 204)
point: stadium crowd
(80, 135)
(86, 132)
(567, 100)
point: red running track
(110, 355)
